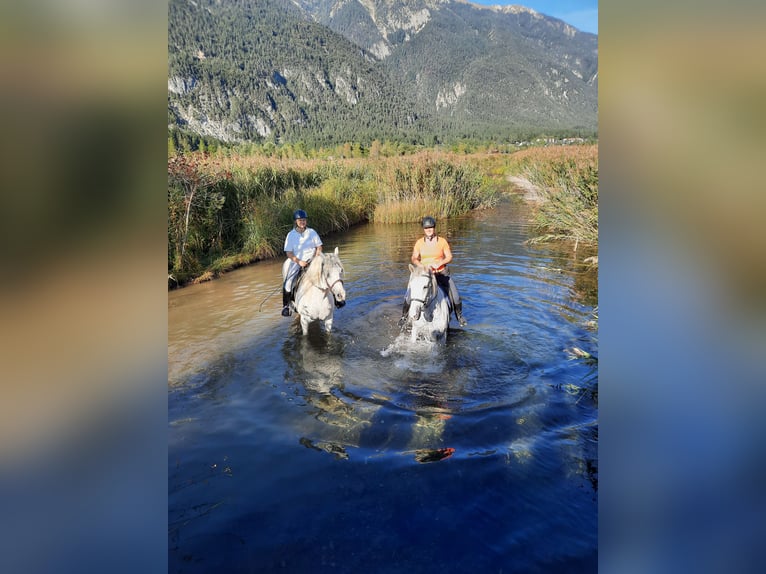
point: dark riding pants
(295, 278)
(448, 285)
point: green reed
(567, 181)
(427, 185)
(227, 212)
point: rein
(430, 294)
(329, 286)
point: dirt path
(531, 191)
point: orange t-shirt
(431, 250)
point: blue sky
(582, 14)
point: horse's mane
(314, 270)
(333, 260)
(313, 274)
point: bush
(232, 210)
(567, 179)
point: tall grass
(567, 180)
(428, 185)
(230, 211)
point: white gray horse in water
(320, 290)
(429, 307)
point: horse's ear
(336, 251)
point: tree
(188, 188)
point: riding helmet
(299, 214)
(429, 221)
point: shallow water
(360, 451)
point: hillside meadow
(228, 210)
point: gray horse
(320, 291)
(429, 308)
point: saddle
(296, 282)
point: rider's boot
(459, 314)
(405, 312)
(286, 303)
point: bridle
(327, 282)
(429, 293)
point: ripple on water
(362, 423)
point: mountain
(327, 71)
(241, 70)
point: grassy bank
(224, 212)
(567, 181)
(230, 210)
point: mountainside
(251, 69)
(354, 70)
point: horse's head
(332, 276)
(421, 289)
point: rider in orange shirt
(433, 251)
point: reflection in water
(315, 370)
(327, 439)
(335, 449)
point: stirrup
(286, 311)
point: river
(358, 451)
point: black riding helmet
(429, 221)
(299, 214)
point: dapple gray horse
(429, 307)
(320, 291)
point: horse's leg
(328, 324)
(305, 325)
